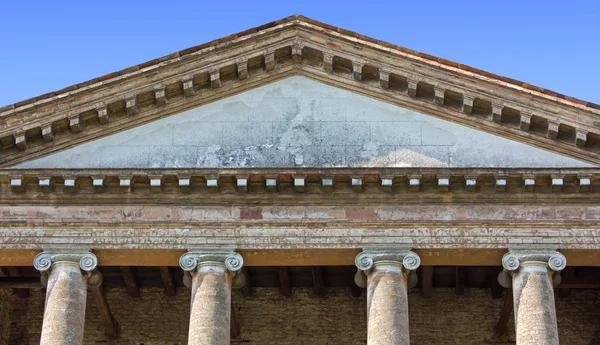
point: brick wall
(5, 299)
(268, 319)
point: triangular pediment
(299, 122)
(465, 116)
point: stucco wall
(301, 122)
(269, 319)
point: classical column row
(385, 272)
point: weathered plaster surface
(301, 122)
(291, 227)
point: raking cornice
(298, 46)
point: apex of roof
(297, 19)
(297, 45)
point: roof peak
(290, 46)
(298, 17)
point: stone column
(534, 274)
(211, 273)
(389, 272)
(66, 274)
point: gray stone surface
(301, 122)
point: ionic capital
(200, 260)
(52, 258)
(519, 259)
(515, 259)
(403, 257)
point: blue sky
(48, 45)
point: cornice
(298, 47)
(298, 186)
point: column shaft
(64, 314)
(535, 314)
(387, 270)
(210, 306)
(534, 271)
(387, 306)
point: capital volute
(197, 259)
(516, 260)
(395, 258)
(404, 257)
(51, 258)
(190, 261)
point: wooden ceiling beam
(14, 271)
(130, 282)
(168, 281)
(111, 328)
(17, 272)
(501, 327)
(317, 275)
(582, 285)
(355, 290)
(426, 281)
(573, 282)
(567, 274)
(496, 289)
(247, 288)
(20, 283)
(461, 273)
(234, 328)
(284, 282)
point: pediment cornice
(311, 186)
(298, 46)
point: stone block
(396, 133)
(173, 156)
(255, 134)
(297, 133)
(422, 156)
(371, 155)
(47, 133)
(20, 140)
(197, 134)
(468, 101)
(124, 157)
(334, 133)
(75, 123)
